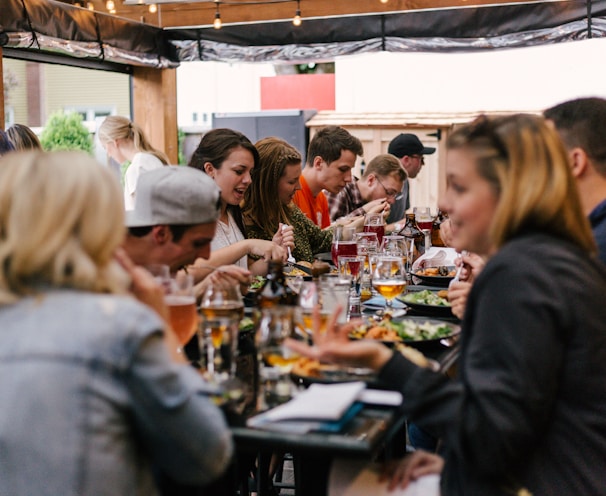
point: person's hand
(336, 347)
(458, 291)
(285, 236)
(446, 232)
(143, 285)
(414, 465)
(376, 206)
(228, 275)
(148, 291)
(267, 250)
(472, 266)
(357, 222)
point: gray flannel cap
(176, 195)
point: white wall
(206, 87)
(517, 79)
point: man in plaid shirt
(375, 192)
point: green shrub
(66, 132)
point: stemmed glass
(221, 310)
(375, 223)
(389, 278)
(181, 302)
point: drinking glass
(276, 324)
(181, 301)
(334, 292)
(389, 278)
(343, 243)
(354, 267)
(221, 310)
(424, 218)
(375, 223)
(309, 301)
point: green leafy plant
(66, 132)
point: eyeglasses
(396, 195)
(420, 157)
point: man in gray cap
(174, 221)
(409, 150)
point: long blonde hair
(61, 220)
(526, 163)
(116, 127)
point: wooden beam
(155, 108)
(2, 102)
(203, 13)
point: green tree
(66, 132)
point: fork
(459, 269)
(290, 258)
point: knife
(304, 268)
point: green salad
(425, 297)
(410, 330)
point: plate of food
(428, 302)
(436, 276)
(308, 371)
(418, 332)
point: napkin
(379, 302)
(323, 407)
(434, 257)
(359, 478)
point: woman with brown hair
(268, 201)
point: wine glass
(343, 243)
(352, 266)
(389, 278)
(375, 223)
(221, 309)
(181, 302)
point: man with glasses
(375, 192)
(409, 150)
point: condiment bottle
(275, 291)
(414, 237)
(436, 239)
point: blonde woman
(91, 394)
(125, 141)
(527, 410)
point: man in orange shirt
(330, 158)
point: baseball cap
(176, 195)
(408, 144)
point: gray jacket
(89, 397)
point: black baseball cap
(408, 144)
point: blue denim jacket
(89, 396)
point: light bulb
(297, 19)
(110, 5)
(217, 23)
(384, 1)
(112, 11)
(153, 8)
(90, 6)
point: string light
(110, 5)
(153, 8)
(217, 22)
(297, 19)
(384, 1)
(90, 6)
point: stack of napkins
(321, 407)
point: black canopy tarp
(55, 27)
